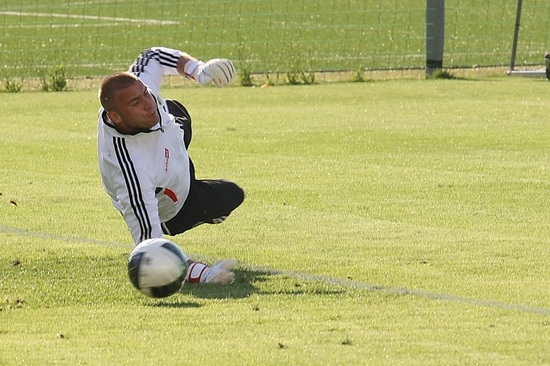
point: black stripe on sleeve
(140, 62)
(133, 187)
(164, 58)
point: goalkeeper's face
(136, 109)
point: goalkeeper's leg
(208, 202)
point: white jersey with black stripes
(146, 174)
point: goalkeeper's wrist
(192, 67)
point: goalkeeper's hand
(219, 70)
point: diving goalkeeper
(143, 158)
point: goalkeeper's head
(128, 103)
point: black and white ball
(157, 267)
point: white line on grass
(88, 17)
(60, 26)
(310, 277)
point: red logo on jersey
(166, 158)
(171, 194)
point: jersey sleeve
(153, 64)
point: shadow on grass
(249, 282)
(174, 303)
(244, 286)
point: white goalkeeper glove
(219, 70)
(221, 272)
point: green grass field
(386, 223)
(94, 38)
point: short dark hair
(110, 85)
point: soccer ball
(157, 267)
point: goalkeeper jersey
(146, 174)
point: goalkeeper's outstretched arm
(156, 62)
